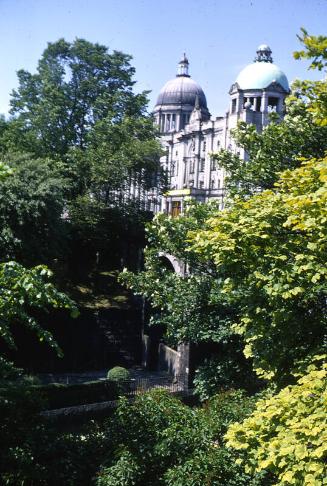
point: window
(272, 103)
(201, 184)
(175, 208)
(204, 146)
(163, 121)
(202, 165)
(173, 168)
(234, 105)
(192, 166)
(213, 165)
(168, 123)
(186, 119)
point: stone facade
(189, 134)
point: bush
(60, 395)
(33, 452)
(125, 472)
(159, 440)
(118, 373)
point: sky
(220, 37)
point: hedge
(58, 395)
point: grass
(100, 291)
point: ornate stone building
(189, 134)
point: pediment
(234, 88)
(275, 86)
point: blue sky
(219, 37)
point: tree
(191, 307)
(79, 115)
(80, 108)
(315, 49)
(23, 290)
(280, 146)
(286, 434)
(270, 254)
(76, 85)
(32, 203)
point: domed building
(261, 87)
(189, 134)
(177, 99)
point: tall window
(192, 166)
(175, 208)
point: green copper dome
(261, 73)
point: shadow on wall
(95, 340)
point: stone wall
(169, 360)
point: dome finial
(263, 54)
(183, 67)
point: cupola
(177, 99)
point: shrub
(157, 440)
(126, 472)
(118, 373)
(33, 451)
(59, 395)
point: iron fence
(136, 386)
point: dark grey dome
(181, 91)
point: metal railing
(136, 386)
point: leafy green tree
(315, 49)
(271, 251)
(287, 435)
(76, 84)
(182, 304)
(280, 146)
(191, 307)
(80, 107)
(79, 117)
(21, 291)
(32, 202)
